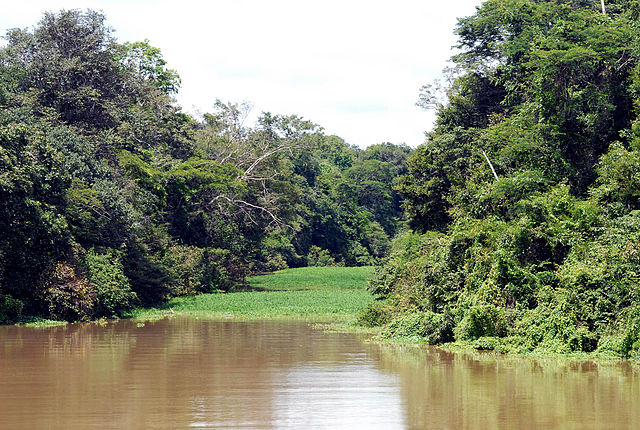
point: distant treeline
(111, 196)
(525, 199)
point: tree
(523, 200)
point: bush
(626, 341)
(555, 325)
(487, 343)
(432, 327)
(582, 340)
(374, 315)
(319, 257)
(223, 270)
(113, 292)
(68, 295)
(357, 255)
(276, 253)
(481, 320)
(148, 276)
(10, 309)
(185, 265)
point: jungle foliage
(524, 202)
(111, 196)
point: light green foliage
(278, 251)
(319, 257)
(112, 289)
(186, 269)
(619, 178)
(316, 305)
(148, 62)
(424, 326)
(314, 278)
(316, 293)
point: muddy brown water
(186, 373)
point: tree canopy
(523, 199)
(111, 196)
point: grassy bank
(314, 293)
(314, 278)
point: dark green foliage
(223, 270)
(69, 67)
(95, 155)
(425, 188)
(148, 277)
(527, 189)
(33, 230)
(10, 309)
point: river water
(184, 373)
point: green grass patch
(314, 278)
(38, 322)
(313, 293)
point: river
(183, 373)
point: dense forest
(514, 227)
(112, 197)
(524, 202)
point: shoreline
(329, 298)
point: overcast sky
(354, 67)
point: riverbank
(310, 293)
(332, 297)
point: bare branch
(490, 165)
(243, 205)
(264, 156)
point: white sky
(354, 67)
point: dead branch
(490, 165)
(263, 157)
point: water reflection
(485, 391)
(187, 373)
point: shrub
(374, 315)
(185, 265)
(319, 257)
(10, 309)
(276, 253)
(432, 327)
(487, 343)
(106, 274)
(582, 340)
(481, 320)
(68, 294)
(626, 341)
(358, 255)
(223, 270)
